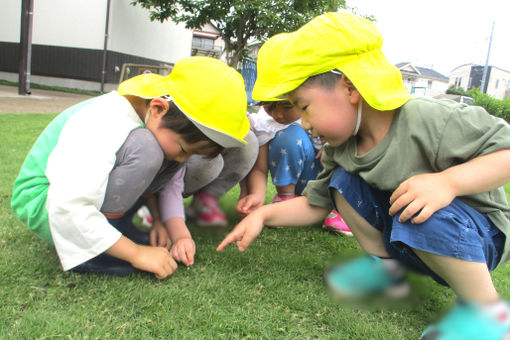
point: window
(203, 43)
(497, 83)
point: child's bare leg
(369, 238)
(470, 281)
(288, 189)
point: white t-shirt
(265, 127)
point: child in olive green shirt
(419, 181)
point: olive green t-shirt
(426, 135)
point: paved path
(40, 101)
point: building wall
(132, 32)
(469, 76)
(68, 41)
(424, 87)
(75, 24)
(10, 22)
(460, 77)
(499, 83)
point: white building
(207, 42)
(68, 40)
(470, 75)
(421, 81)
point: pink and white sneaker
(335, 223)
(280, 198)
(145, 214)
(206, 210)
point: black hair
(273, 104)
(178, 122)
(326, 80)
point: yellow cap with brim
(270, 52)
(341, 41)
(209, 92)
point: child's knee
(201, 171)
(142, 148)
(371, 205)
(137, 162)
(288, 138)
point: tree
(240, 21)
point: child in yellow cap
(418, 180)
(287, 151)
(85, 176)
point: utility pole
(105, 48)
(25, 46)
(483, 87)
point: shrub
(496, 107)
(456, 90)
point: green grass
(274, 290)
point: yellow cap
(270, 53)
(210, 93)
(340, 41)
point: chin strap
(359, 119)
(147, 117)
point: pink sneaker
(145, 214)
(279, 198)
(335, 223)
(206, 210)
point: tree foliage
(240, 21)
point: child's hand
(249, 203)
(158, 236)
(244, 233)
(319, 154)
(421, 195)
(156, 260)
(183, 250)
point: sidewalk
(40, 101)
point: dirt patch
(40, 101)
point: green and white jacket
(61, 185)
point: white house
(421, 81)
(207, 42)
(68, 41)
(468, 76)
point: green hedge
(497, 107)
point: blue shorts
(457, 230)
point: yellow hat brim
(340, 41)
(209, 92)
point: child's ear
(159, 107)
(354, 95)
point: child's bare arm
(257, 178)
(158, 236)
(156, 260)
(182, 244)
(291, 213)
(427, 193)
(256, 183)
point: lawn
(274, 290)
